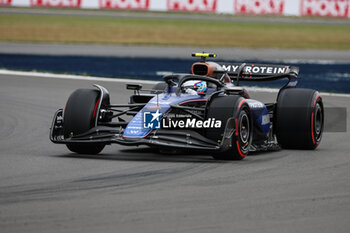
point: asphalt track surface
(45, 188)
(181, 52)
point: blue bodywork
(136, 129)
(260, 115)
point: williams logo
(151, 120)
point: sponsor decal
(153, 120)
(5, 2)
(259, 7)
(191, 123)
(134, 131)
(256, 69)
(192, 5)
(329, 8)
(56, 3)
(125, 4)
(153, 108)
(265, 119)
(256, 105)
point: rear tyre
(80, 116)
(236, 110)
(299, 119)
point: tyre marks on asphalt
(119, 181)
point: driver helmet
(196, 87)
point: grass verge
(70, 29)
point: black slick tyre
(299, 119)
(79, 116)
(233, 109)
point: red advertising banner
(5, 2)
(329, 8)
(56, 3)
(192, 5)
(125, 4)
(260, 7)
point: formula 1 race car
(204, 111)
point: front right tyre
(80, 115)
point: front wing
(177, 139)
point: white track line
(74, 77)
(121, 80)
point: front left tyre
(235, 115)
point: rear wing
(245, 71)
(259, 72)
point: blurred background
(145, 39)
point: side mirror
(234, 91)
(135, 87)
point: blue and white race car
(206, 110)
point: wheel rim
(318, 121)
(244, 129)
